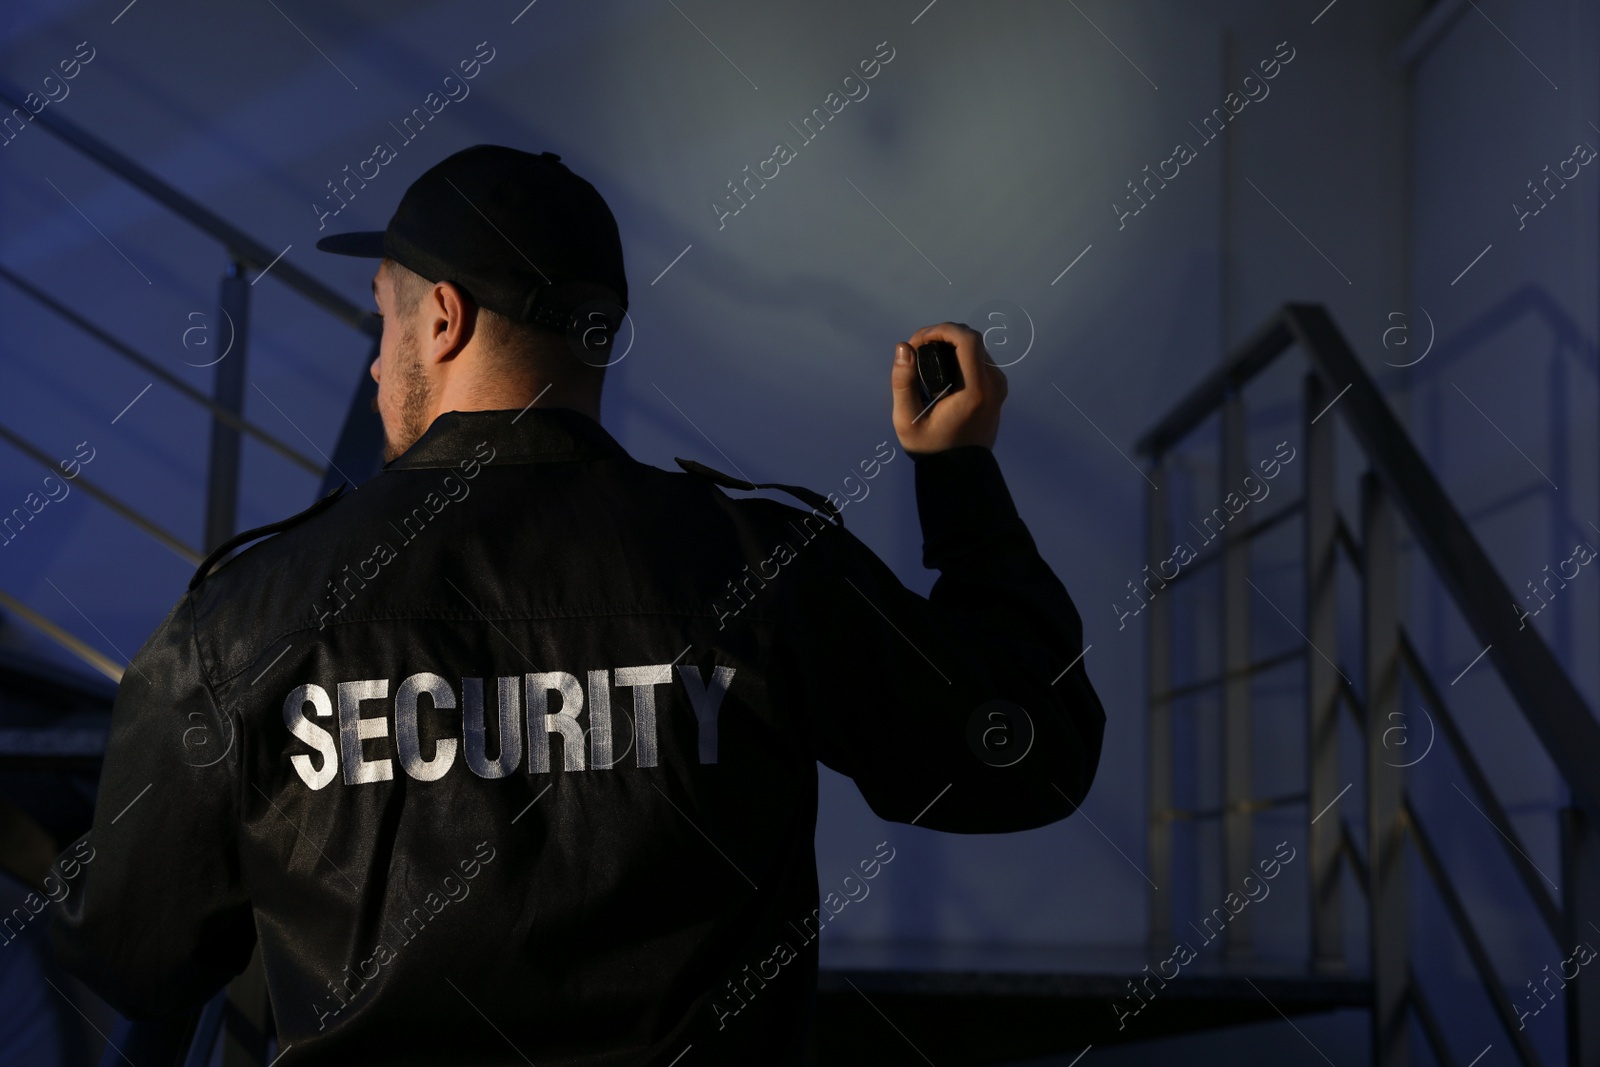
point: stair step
(969, 1018)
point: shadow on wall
(1560, 518)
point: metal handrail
(1397, 487)
(1493, 810)
(171, 540)
(65, 638)
(150, 366)
(1251, 358)
(240, 244)
(1469, 935)
(244, 251)
(1350, 852)
(1544, 693)
(1548, 909)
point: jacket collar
(528, 435)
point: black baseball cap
(523, 235)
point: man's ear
(448, 330)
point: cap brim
(366, 243)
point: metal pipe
(170, 540)
(151, 366)
(66, 639)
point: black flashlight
(938, 370)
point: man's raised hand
(967, 416)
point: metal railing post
(1158, 651)
(1580, 897)
(1238, 786)
(222, 491)
(1322, 684)
(1386, 896)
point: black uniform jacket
(509, 755)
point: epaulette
(807, 496)
(261, 531)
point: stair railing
(359, 442)
(1398, 487)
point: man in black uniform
(510, 755)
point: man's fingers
(941, 331)
(902, 382)
(976, 371)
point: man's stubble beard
(415, 398)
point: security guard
(510, 754)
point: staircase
(1365, 839)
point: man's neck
(519, 396)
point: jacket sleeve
(956, 711)
(159, 920)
